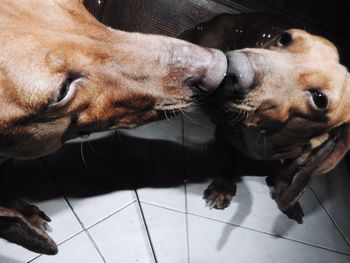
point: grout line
(72, 210)
(138, 200)
(184, 156)
(247, 228)
(64, 241)
(88, 228)
(93, 242)
(270, 234)
(164, 207)
(187, 225)
(30, 261)
(332, 219)
(110, 215)
(145, 226)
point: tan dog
(63, 75)
(289, 102)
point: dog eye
(319, 99)
(66, 88)
(284, 40)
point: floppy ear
(341, 147)
(15, 228)
(321, 160)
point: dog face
(289, 92)
(63, 74)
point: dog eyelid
(67, 89)
(284, 39)
(319, 99)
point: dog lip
(173, 105)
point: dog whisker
(201, 125)
(265, 146)
(82, 154)
(94, 150)
(185, 115)
(166, 116)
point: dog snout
(206, 68)
(240, 79)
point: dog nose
(206, 67)
(240, 79)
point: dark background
(174, 17)
(178, 148)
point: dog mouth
(235, 91)
(195, 93)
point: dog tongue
(240, 70)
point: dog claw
(45, 227)
(218, 197)
(295, 212)
(44, 216)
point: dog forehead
(314, 45)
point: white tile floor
(172, 224)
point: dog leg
(220, 192)
(25, 225)
(293, 209)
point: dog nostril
(234, 79)
(196, 83)
(240, 72)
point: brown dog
(287, 102)
(63, 75)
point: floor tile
(173, 198)
(77, 249)
(30, 181)
(122, 237)
(253, 208)
(167, 230)
(95, 183)
(11, 253)
(217, 242)
(91, 210)
(333, 191)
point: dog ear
(321, 160)
(16, 229)
(341, 136)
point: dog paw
(31, 213)
(295, 212)
(218, 196)
(26, 225)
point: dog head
(292, 90)
(63, 74)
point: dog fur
(286, 102)
(63, 74)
